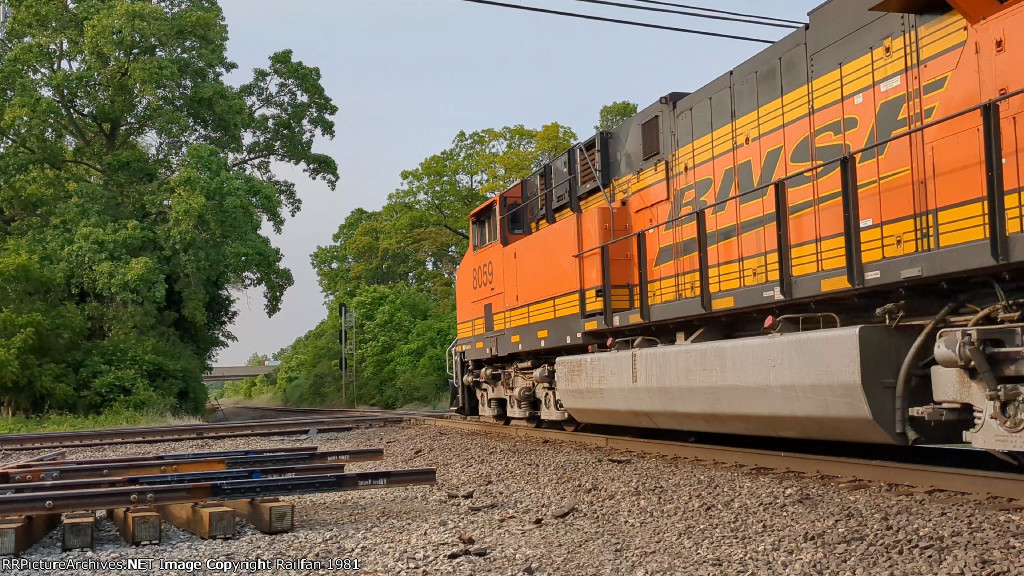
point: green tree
(133, 185)
(257, 359)
(308, 374)
(614, 114)
(395, 268)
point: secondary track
(271, 427)
(1002, 484)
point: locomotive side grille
(650, 138)
(587, 176)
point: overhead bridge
(230, 373)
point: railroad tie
(268, 515)
(137, 525)
(208, 520)
(20, 533)
(77, 530)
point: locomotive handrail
(449, 361)
(812, 168)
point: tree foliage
(614, 114)
(133, 184)
(395, 268)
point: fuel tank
(833, 384)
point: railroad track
(921, 476)
(271, 427)
(231, 412)
(202, 493)
(205, 492)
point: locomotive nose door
(483, 269)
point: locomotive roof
(828, 23)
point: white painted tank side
(807, 385)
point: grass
(61, 422)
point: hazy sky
(407, 75)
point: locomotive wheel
(527, 422)
(499, 420)
(571, 425)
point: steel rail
(33, 462)
(45, 472)
(211, 427)
(339, 411)
(126, 496)
(84, 438)
(181, 478)
(942, 478)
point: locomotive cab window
(514, 215)
(485, 226)
(650, 138)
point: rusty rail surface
(51, 471)
(175, 478)
(338, 411)
(56, 458)
(126, 496)
(998, 484)
(277, 427)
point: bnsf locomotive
(824, 243)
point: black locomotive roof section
(837, 19)
(913, 6)
(755, 62)
(829, 23)
(626, 155)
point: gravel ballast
(510, 506)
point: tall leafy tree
(614, 114)
(419, 236)
(133, 185)
(395, 268)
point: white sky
(407, 75)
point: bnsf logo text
(890, 119)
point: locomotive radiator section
(834, 384)
(981, 369)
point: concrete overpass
(231, 373)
